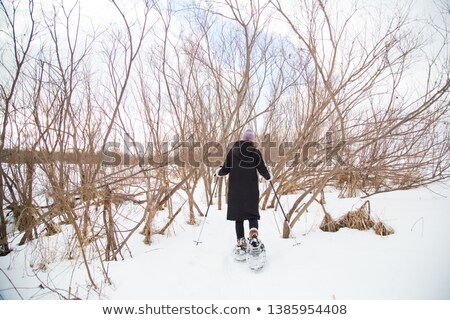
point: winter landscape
(113, 132)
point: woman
(242, 162)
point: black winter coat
(243, 194)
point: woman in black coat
(242, 162)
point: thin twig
(15, 288)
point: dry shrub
(353, 181)
(349, 182)
(25, 218)
(52, 229)
(359, 219)
(329, 224)
(382, 229)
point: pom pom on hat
(248, 135)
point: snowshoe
(256, 254)
(240, 250)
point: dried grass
(358, 219)
(329, 224)
(52, 229)
(382, 229)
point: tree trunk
(111, 244)
(191, 208)
(4, 245)
(26, 217)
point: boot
(242, 243)
(240, 251)
(253, 233)
(256, 252)
(253, 238)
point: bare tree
(357, 80)
(14, 54)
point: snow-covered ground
(413, 263)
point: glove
(216, 173)
(270, 175)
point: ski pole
(284, 214)
(206, 215)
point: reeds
(382, 229)
(359, 219)
(329, 224)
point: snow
(413, 263)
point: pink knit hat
(248, 135)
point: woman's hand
(216, 173)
